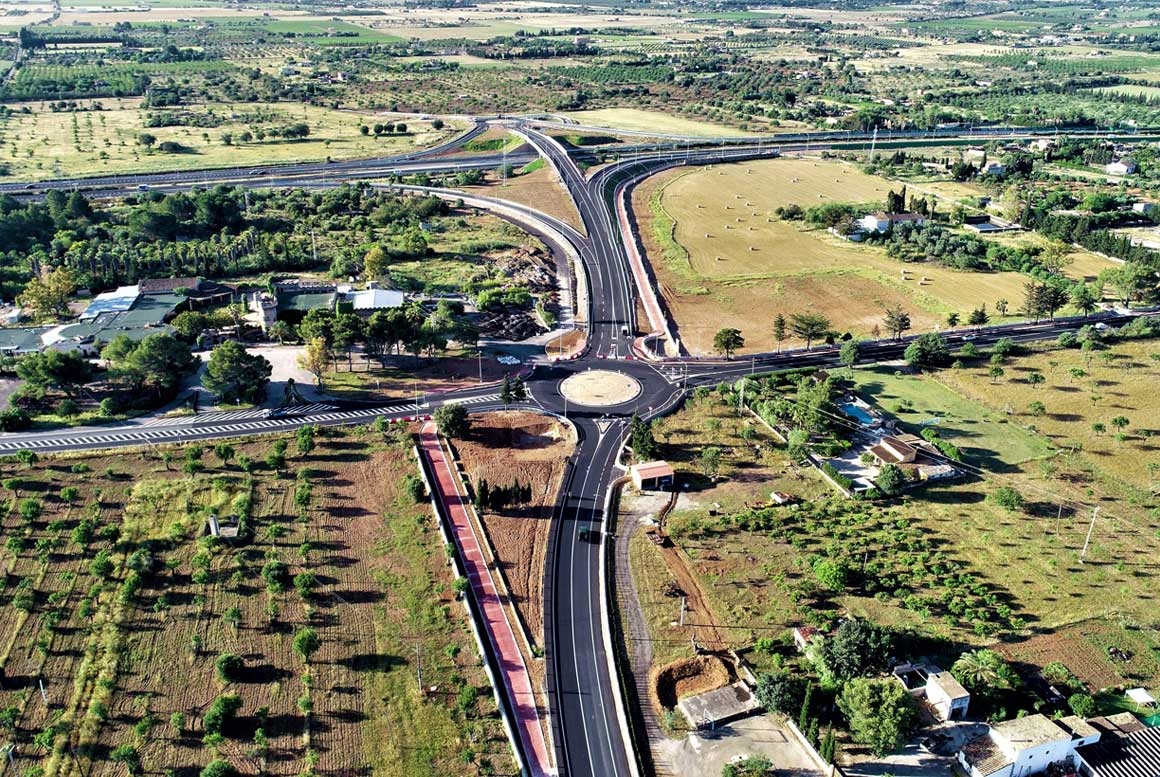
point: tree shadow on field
(259, 674)
(371, 662)
(342, 562)
(348, 716)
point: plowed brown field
(112, 658)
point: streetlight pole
(479, 352)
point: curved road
(589, 725)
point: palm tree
(983, 669)
(281, 331)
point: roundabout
(600, 388)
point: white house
(997, 169)
(947, 696)
(883, 222)
(1124, 166)
(1025, 746)
(1143, 207)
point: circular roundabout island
(600, 388)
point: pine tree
(505, 392)
(484, 496)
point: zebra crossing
(237, 415)
(224, 424)
(472, 400)
(172, 433)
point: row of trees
(498, 498)
(412, 328)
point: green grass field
(44, 144)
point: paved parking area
(705, 753)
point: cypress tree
(804, 715)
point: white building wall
(1036, 759)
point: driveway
(284, 361)
(913, 761)
(705, 753)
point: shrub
(415, 488)
(1082, 704)
(1007, 498)
(221, 712)
(218, 768)
(837, 476)
(229, 667)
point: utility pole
(873, 143)
(479, 352)
(419, 665)
(741, 399)
(1087, 541)
(683, 599)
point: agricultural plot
(727, 261)
(44, 144)
(116, 599)
(958, 565)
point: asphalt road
(590, 734)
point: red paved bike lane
(516, 681)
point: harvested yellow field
(740, 266)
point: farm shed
(802, 636)
(1125, 748)
(946, 696)
(652, 476)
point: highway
(588, 721)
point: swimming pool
(856, 411)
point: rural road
(591, 733)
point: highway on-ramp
(590, 727)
